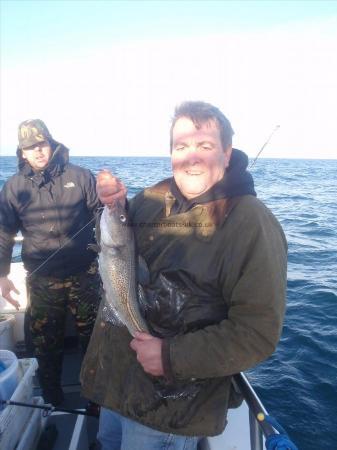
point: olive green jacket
(221, 267)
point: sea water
(298, 384)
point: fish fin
(141, 299)
(98, 227)
(143, 273)
(94, 247)
(109, 314)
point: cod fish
(117, 266)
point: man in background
(214, 302)
(53, 203)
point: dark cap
(32, 131)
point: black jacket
(54, 210)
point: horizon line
(168, 157)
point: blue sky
(106, 75)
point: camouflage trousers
(49, 299)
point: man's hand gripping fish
(117, 266)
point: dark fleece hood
(236, 181)
(59, 158)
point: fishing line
(62, 246)
(263, 146)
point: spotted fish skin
(117, 265)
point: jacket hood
(59, 158)
(236, 181)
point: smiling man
(214, 302)
(199, 159)
(53, 204)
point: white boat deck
(237, 433)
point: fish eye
(122, 218)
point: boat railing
(258, 428)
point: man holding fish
(211, 292)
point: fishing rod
(48, 408)
(264, 145)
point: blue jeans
(119, 433)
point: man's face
(198, 158)
(37, 155)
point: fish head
(114, 227)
